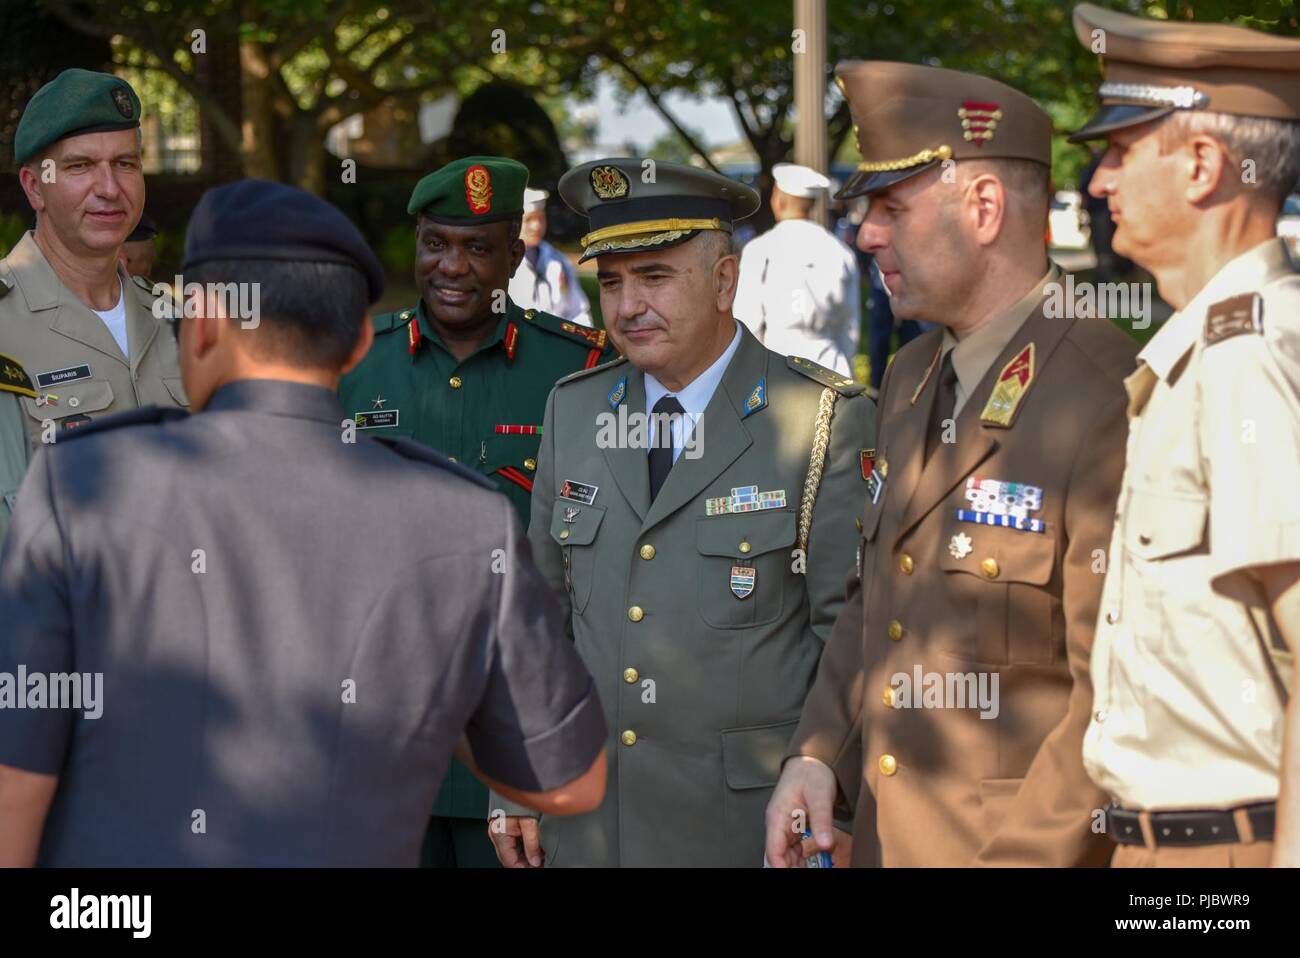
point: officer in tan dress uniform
(1191, 733)
(701, 575)
(950, 704)
(86, 331)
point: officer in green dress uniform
(467, 372)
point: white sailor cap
(796, 180)
(534, 200)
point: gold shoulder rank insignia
(596, 337)
(827, 377)
(1010, 389)
(1234, 316)
(14, 379)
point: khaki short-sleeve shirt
(1186, 713)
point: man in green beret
(87, 331)
(467, 372)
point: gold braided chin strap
(816, 464)
(925, 156)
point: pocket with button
(751, 765)
(1000, 587)
(72, 399)
(1160, 533)
(497, 451)
(574, 526)
(762, 541)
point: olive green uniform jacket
(703, 631)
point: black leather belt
(1190, 827)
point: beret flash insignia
(478, 189)
(122, 100)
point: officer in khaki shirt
(85, 329)
(1191, 731)
(949, 707)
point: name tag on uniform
(69, 374)
(583, 492)
(379, 419)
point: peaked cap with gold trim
(629, 215)
(908, 118)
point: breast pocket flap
(575, 524)
(751, 757)
(1158, 526)
(999, 553)
(745, 534)
(73, 399)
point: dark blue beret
(258, 219)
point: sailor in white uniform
(799, 284)
(545, 279)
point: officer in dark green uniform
(467, 372)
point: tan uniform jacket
(945, 786)
(76, 367)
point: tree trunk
(307, 154)
(218, 71)
(261, 155)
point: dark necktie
(661, 454)
(944, 403)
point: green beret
(76, 101)
(477, 189)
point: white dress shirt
(694, 397)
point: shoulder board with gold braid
(14, 379)
(587, 336)
(827, 377)
(594, 369)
